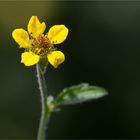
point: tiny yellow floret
(38, 45)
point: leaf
(43, 64)
(80, 93)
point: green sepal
(26, 50)
(43, 62)
(80, 93)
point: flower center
(41, 45)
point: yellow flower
(38, 45)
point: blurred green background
(102, 48)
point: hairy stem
(45, 113)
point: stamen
(41, 45)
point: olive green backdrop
(102, 48)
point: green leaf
(43, 64)
(80, 93)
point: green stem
(45, 113)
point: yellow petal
(55, 58)
(21, 37)
(36, 28)
(29, 58)
(57, 34)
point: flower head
(38, 45)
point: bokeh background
(102, 48)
